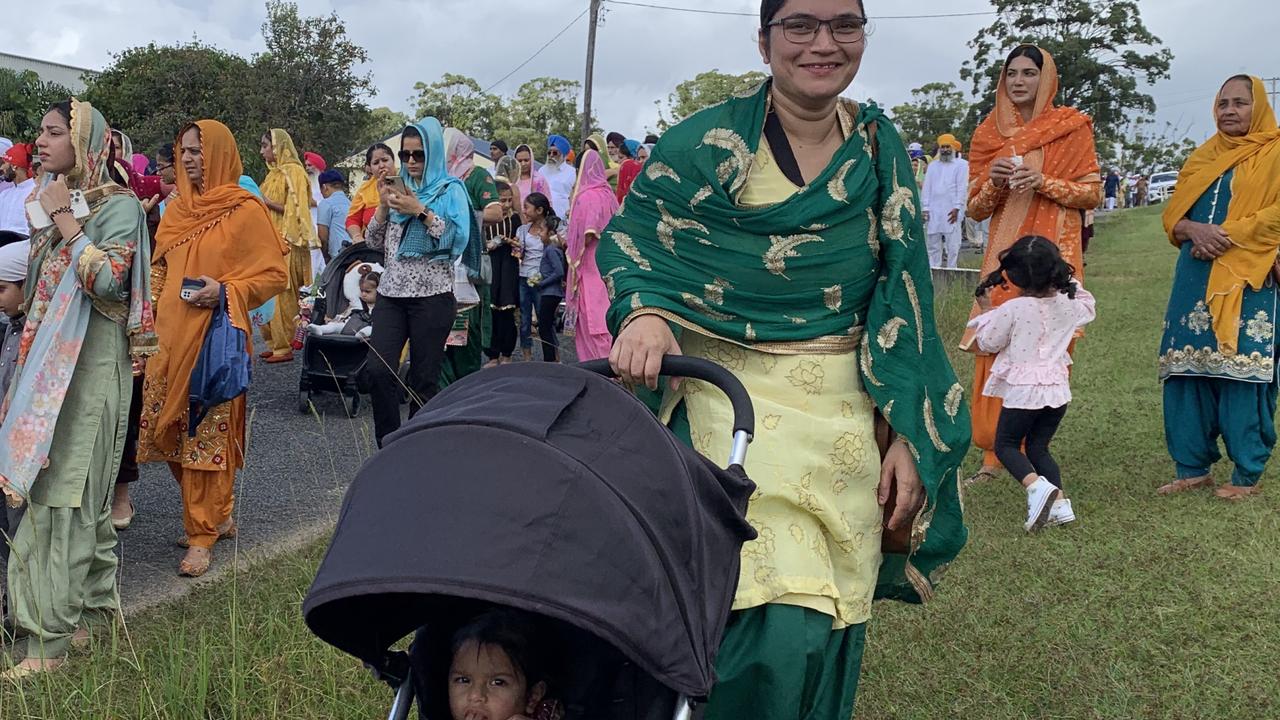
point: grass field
(1146, 608)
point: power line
(545, 45)
(652, 6)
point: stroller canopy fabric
(547, 488)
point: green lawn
(1146, 608)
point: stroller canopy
(548, 488)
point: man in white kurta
(943, 201)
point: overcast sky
(642, 53)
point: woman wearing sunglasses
(423, 224)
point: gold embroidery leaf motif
(866, 364)
(954, 396)
(668, 224)
(771, 422)
(846, 409)
(902, 199)
(782, 247)
(628, 248)
(836, 187)
(932, 427)
(635, 302)
(873, 232)
(656, 170)
(910, 284)
(701, 195)
(888, 335)
(833, 297)
(697, 303)
(715, 290)
(727, 139)
(609, 284)
(749, 333)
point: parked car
(1161, 186)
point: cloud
(642, 53)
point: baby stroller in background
(592, 515)
(331, 363)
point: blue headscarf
(560, 143)
(441, 193)
(633, 147)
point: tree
(457, 101)
(1146, 150)
(1102, 49)
(150, 92)
(24, 98)
(934, 109)
(383, 123)
(703, 91)
(306, 81)
(541, 107)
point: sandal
(1236, 493)
(124, 522)
(983, 475)
(196, 563)
(226, 531)
(1186, 484)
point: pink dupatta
(586, 298)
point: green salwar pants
(62, 568)
(783, 662)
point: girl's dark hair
(540, 201)
(62, 108)
(368, 154)
(502, 186)
(517, 634)
(373, 276)
(1026, 51)
(165, 152)
(1036, 266)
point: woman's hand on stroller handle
(638, 352)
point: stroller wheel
(351, 404)
(304, 401)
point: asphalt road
(289, 493)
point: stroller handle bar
(744, 414)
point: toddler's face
(485, 685)
(10, 298)
(368, 294)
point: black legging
(547, 306)
(1035, 429)
(505, 333)
(425, 323)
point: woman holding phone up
(1032, 169)
(422, 224)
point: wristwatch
(423, 217)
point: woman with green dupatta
(88, 300)
(778, 234)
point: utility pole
(1275, 90)
(591, 66)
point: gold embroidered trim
(1254, 367)
(825, 345)
(918, 581)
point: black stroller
(550, 489)
(330, 363)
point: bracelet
(59, 211)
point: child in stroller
(354, 320)
(499, 670)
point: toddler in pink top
(1031, 335)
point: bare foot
(1186, 484)
(1236, 492)
(196, 563)
(33, 666)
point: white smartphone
(1017, 161)
(40, 219)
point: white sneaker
(1040, 498)
(1061, 514)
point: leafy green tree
(1146, 149)
(934, 109)
(703, 91)
(24, 97)
(150, 92)
(306, 82)
(1102, 48)
(458, 101)
(541, 107)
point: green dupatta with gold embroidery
(845, 253)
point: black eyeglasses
(801, 29)
(161, 167)
(417, 155)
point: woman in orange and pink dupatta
(1032, 169)
(220, 234)
(594, 205)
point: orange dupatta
(1253, 217)
(221, 231)
(1057, 141)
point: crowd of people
(787, 234)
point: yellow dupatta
(1253, 217)
(287, 184)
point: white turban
(13, 261)
(5, 144)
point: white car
(1161, 186)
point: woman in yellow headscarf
(287, 193)
(1217, 357)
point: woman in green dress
(779, 235)
(1217, 357)
(88, 302)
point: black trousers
(129, 460)
(425, 323)
(547, 306)
(1033, 429)
(505, 333)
